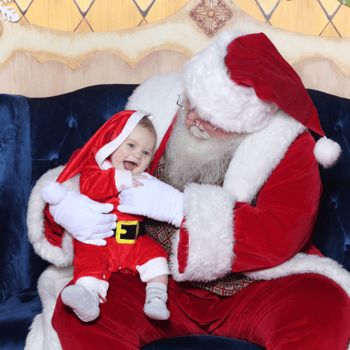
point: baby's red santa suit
(260, 221)
(128, 252)
(93, 156)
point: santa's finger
(102, 208)
(102, 234)
(102, 231)
(103, 219)
(139, 176)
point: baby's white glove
(155, 199)
(86, 220)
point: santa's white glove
(86, 220)
(155, 199)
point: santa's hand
(155, 199)
(86, 220)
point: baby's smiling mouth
(129, 165)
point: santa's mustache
(193, 159)
(201, 134)
(194, 129)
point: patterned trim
(211, 15)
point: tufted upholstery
(332, 229)
(37, 134)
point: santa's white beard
(189, 159)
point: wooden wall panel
(24, 75)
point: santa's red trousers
(304, 312)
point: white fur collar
(258, 155)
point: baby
(112, 160)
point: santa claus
(240, 180)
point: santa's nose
(192, 119)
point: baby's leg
(156, 298)
(84, 297)
(90, 281)
(150, 261)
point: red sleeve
(280, 223)
(97, 184)
(94, 183)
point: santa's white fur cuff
(209, 222)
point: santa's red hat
(103, 143)
(238, 83)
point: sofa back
(37, 134)
(332, 228)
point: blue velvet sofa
(37, 134)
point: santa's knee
(321, 311)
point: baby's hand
(135, 177)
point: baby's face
(136, 152)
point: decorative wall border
(179, 34)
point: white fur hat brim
(219, 100)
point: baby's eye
(131, 145)
(146, 153)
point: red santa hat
(239, 81)
(103, 143)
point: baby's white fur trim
(53, 193)
(105, 151)
(94, 284)
(123, 179)
(153, 268)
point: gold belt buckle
(126, 235)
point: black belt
(127, 232)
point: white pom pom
(327, 152)
(53, 193)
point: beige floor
(329, 18)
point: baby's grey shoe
(156, 298)
(85, 303)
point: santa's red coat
(260, 223)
